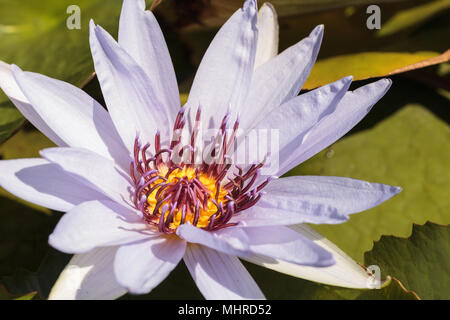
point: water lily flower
(133, 212)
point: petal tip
(92, 24)
(396, 190)
(43, 153)
(318, 29)
(47, 153)
(386, 81)
(317, 34)
(250, 7)
(55, 242)
(267, 7)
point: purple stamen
(186, 197)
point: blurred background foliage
(404, 141)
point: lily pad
(35, 36)
(421, 262)
(24, 246)
(363, 65)
(30, 296)
(23, 282)
(23, 236)
(10, 120)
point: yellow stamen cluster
(207, 208)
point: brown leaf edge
(406, 290)
(388, 280)
(444, 57)
(154, 4)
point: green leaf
(24, 246)
(10, 120)
(29, 296)
(25, 144)
(410, 148)
(5, 295)
(183, 98)
(413, 17)
(432, 36)
(41, 281)
(362, 66)
(35, 37)
(23, 236)
(420, 262)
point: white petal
(141, 36)
(281, 78)
(267, 46)
(73, 115)
(273, 242)
(233, 242)
(131, 102)
(89, 276)
(345, 273)
(220, 276)
(224, 75)
(350, 110)
(263, 214)
(279, 242)
(94, 170)
(295, 117)
(96, 224)
(325, 199)
(15, 94)
(44, 183)
(141, 266)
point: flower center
(207, 195)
